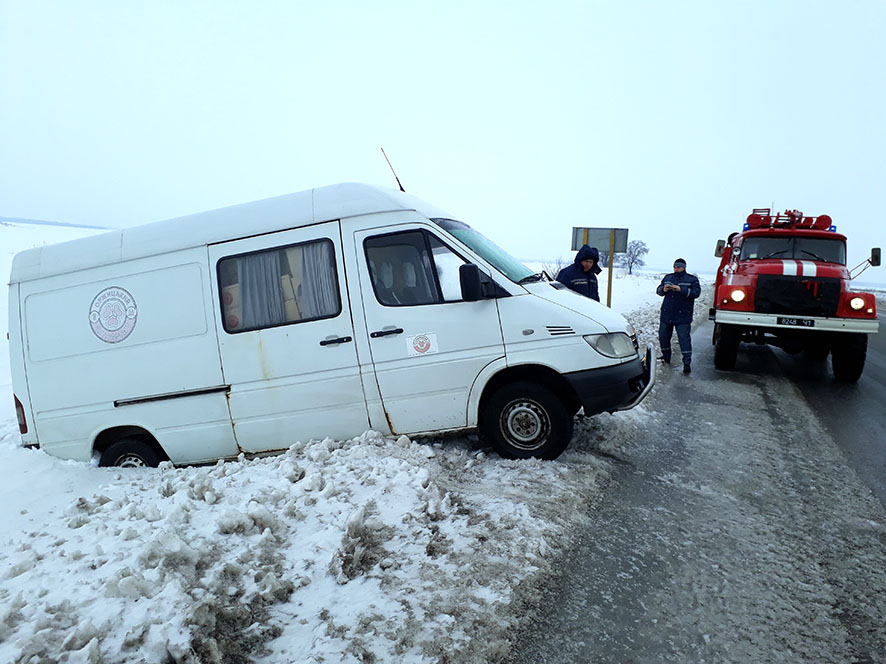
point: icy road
(734, 531)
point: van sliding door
(286, 338)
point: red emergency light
(762, 218)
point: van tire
(726, 340)
(848, 354)
(524, 420)
(130, 453)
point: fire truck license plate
(797, 322)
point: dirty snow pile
(372, 549)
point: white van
(322, 313)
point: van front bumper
(615, 388)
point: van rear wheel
(523, 420)
(130, 453)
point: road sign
(613, 240)
(600, 238)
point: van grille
(559, 330)
(801, 296)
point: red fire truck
(783, 281)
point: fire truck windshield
(799, 248)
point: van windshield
(486, 249)
(792, 247)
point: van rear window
(279, 286)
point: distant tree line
(632, 258)
(634, 255)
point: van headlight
(614, 344)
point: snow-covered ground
(366, 550)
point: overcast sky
(524, 119)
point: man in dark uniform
(581, 276)
(679, 290)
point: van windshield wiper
(532, 278)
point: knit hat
(680, 263)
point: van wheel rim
(131, 461)
(525, 424)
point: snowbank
(372, 549)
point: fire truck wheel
(816, 352)
(130, 453)
(727, 338)
(523, 420)
(847, 357)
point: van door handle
(386, 332)
(328, 341)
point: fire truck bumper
(788, 322)
(611, 389)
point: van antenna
(393, 171)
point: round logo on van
(421, 343)
(113, 314)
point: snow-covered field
(367, 550)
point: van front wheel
(130, 453)
(524, 420)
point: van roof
(338, 201)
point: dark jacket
(676, 307)
(583, 283)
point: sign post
(614, 238)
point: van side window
(447, 264)
(284, 285)
(412, 268)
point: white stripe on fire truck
(789, 267)
(809, 269)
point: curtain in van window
(260, 290)
(319, 285)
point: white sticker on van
(113, 314)
(422, 344)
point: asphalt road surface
(734, 530)
(854, 415)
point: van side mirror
(721, 247)
(470, 279)
(875, 256)
(477, 285)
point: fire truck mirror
(721, 246)
(875, 256)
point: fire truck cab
(783, 281)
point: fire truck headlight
(737, 295)
(857, 303)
